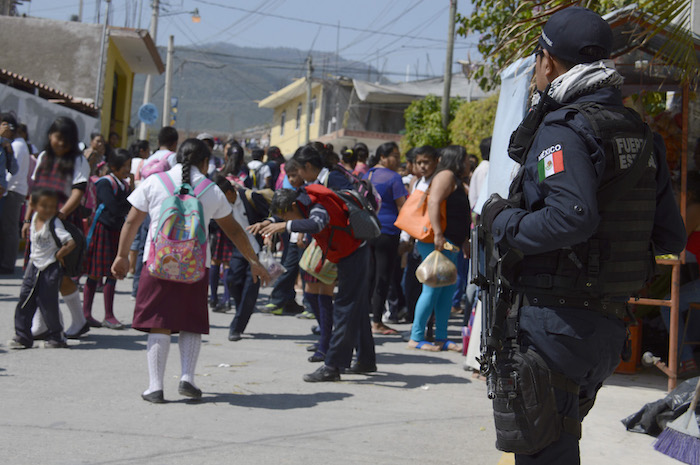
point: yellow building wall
(294, 137)
(116, 103)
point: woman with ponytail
(167, 307)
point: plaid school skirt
(101, 252)
(221, 246)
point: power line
(321, 23)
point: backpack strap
(112, 181)
(202, 186)
(52, 230)
(167, 182)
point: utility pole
(168, 81)
(143, 130)
(448, 64)
(309, 71)
(101, 67)
(80, 12)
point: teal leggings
(433, 299)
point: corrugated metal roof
(49, 93)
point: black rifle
(493, 274)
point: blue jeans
(690, 292)
(433, 299)
(283, 292)
(243, 290)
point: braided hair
(192, 152)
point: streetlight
(195, 14)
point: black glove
(493, 206)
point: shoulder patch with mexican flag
(550, 161)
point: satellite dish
(148, 113)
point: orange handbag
(414, 219)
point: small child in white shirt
(44, 274)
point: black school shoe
(323, 374)
(81, 331)
(361, 368)
(155, 397)
(188, 390)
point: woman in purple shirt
(385, 248)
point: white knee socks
(189, 344)
(38, 325)
(75, 306)
(157, 349)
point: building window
(298, 116)
(283, 119)
(313, 109)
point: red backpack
(336, 240)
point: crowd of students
(116, 199)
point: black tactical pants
(584, 346)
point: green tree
(424, 123)
(473, 122)
(509, 30)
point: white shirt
(18, 182)
(136, 164)
(151, 194)
(81, 171)
(240, 216)
(44, 246)
(477, 180)
(262, 174)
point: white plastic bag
(272, 265)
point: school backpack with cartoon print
(178, 249)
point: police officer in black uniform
(586, 217)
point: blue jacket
(561, 210)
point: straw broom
(681, 438)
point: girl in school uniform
(112, 191)
(62, 168)
(165, 307)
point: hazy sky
(390, 34)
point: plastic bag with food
(437, 270)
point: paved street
(83, 405)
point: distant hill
(218, 85)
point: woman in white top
(165, 307)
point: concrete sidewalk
(83, 405)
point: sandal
(449, 345)
(423, 345)
(384, 330)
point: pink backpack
(159, 165)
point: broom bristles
(678, 445)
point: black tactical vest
(618, 259)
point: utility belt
(542, 291)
